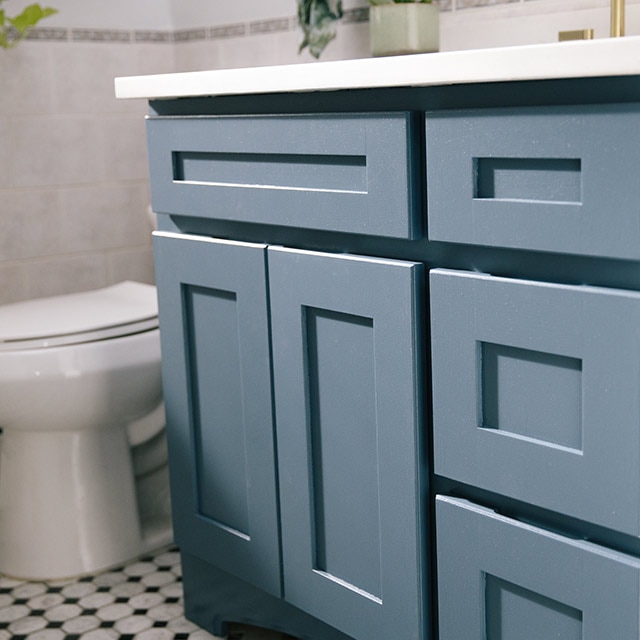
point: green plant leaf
(30, 16)
(318, 20)
(12, 30)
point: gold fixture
(578, 34)
(617, 25)
(617, 18)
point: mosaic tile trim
(100, 35)
(228, 31)
(270, 26)
(141, 600)
(190, 35)
(222, 32)
(153, 36)
(46, 33)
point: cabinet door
(216, 374)
(346, 352)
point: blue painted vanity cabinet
(401, 345)
(292, 377)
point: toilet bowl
(83, 461)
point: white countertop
(576, 59)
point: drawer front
(560, 179)
(535, 393)
(499, 579)
(351, 174)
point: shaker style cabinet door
(216, 374)
(345, 338)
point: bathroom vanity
(400, 316)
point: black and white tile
(141, 600)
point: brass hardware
(617, 18)
(617, 25)
(578, 34)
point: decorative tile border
(189, 35)
(222, 32)
(270, 26)
(44, 33)
(153, 36)
(228, 31)
(100, 35)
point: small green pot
(397, 29)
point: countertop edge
(577, 59)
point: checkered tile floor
(141, 600)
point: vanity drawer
(345, 173)
(560, 179)
(535, 393)
(499, 578)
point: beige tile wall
(73, 167)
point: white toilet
(83, 463)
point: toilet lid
(122, 309)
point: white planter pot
(397, 29)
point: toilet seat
(123, 309)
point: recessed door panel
(216, 374)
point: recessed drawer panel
(536, 393)
(500, 579)
(561, 179)
(351, 174)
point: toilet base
(68, 504)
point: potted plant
(13, 30)
(318, 20)
(403, 26)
